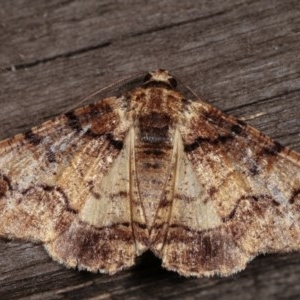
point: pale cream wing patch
(51, 180)
(182, 200)
(109, 200)
(184, 220)
(103, 237)
(189, 196)
(237, 195)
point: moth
(150, 170)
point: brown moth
(150, 170)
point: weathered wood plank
(242, 56)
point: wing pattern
(243, 196)
(150, 170)
(60, 184)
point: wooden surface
(242, 56)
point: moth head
(161, 76)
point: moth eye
(173, 82)
(147, 77)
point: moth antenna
(189, 89)
(98, 91)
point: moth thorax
(154, 128)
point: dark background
(242, 56)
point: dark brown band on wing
(256, 198)
(5, 185)
(107, 249)
(32, 138)
(112, 226)
(221, 139)
(51, 157)
(73, 121)
(115, 143)
(295, 195)
(272, 149)
(48, 188)
(140, 225)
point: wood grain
(241, 56)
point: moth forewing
(150, 168)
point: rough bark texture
(242, 56)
